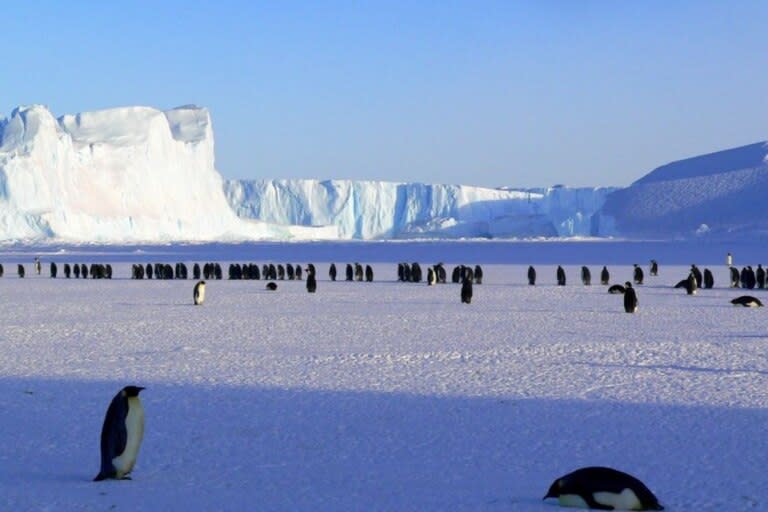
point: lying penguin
(602, 488)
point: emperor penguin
(605, 276)
(560, 276)
(709, 280)
(311, 281)
(747, 301)
(602, 488)
(198, 295)
(654, 268)
(466, 291)
(630, 298)
(586, 276)
(638, 274)
(121, 434)
(332, 272)
(531, 275)
(431, 277)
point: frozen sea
(383, 396)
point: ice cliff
(123, 174)
(376, 210)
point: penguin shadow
(237, 444)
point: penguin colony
(597, 488)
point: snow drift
(373, 209)
(123, 174)
(715, 195)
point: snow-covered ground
(385, 395)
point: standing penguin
(20, 270)
(709, 280)
(638, 275)
(332, 272)
(605, 276)
(692, 285)
(586, 276)
(654, 268)
(602, 489)
(531, 276)
(368, 274)
(734, 277)
(431, 277)
(198, 295)
(560, 276)
(311, 281)
(38, 266)
(630, 298)
(121, 434)
(466, 291)
(760, 273)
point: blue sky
(528, 93)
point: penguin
(734, 277)
(358, 272)
(271, 286)
(311, 281)
(196, 271)
(198, 294)
(416, 273)
(747, 301)
(121, 434)
(20, 270)
(289, 272)
(478, 274)
(697, 275)
(586, 276)
(654, 268)
(84, 271)
(560, 276)
(638, 274)
(401, 272)
(67, 270)
(691, 286)
(440, 273)
(456, 275)
(368, 274)
(431, 277)
(2, 270)
(616, 289)
(760, 273)
(601, 488)
(38, 266)
(630, 298)
(332, 272)
(531, 276)
(466, 291)
(349, 272)
(605, 276)
(54, 270)
(709, 280)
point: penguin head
(628, 285)
(132, 390)
(554, 489)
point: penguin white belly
(200, 295)
(134, 426)
(572, 500)
(627, 500)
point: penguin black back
(747, 301)
(560, 276)
(531, 276)
(466, 291)
(602, 488)
(605, 276)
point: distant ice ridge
(715, 195)
(123, 174)
(380, 210)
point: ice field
(383, 396)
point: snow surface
(377, 209)
(384, 395)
